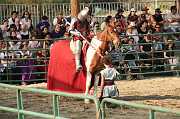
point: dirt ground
(163, 92)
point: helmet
(83, 13)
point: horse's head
(110, 33)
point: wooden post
(178, 6)
(75, 8)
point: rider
(79, 26)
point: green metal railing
(99, 106)
(13, 74)
(55, 101)
(152, 109)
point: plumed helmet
(83, 13)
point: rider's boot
(78, 46)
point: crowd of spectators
(141, 46)
(24, 46)
(19, 36)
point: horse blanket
(62, 75)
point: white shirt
(10, 21)
(33, 44)
(109, 73)
(26, 22)
(171, 16)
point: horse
(98, 48)
(62, 75)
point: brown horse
(100, 45)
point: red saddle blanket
(61, 70)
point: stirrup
(78, 68)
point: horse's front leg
(88, 84)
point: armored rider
(79, 26)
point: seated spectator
(47, 44)
(17, 24)
(15, 36)
(142, 29)
(125, 40)
(145, 49)
(43, 33)
(58, 32)
(173, 20)
(1, 35)
(144, 16)
(170, 54)
(4, 28)
(132, 17)
(26, 20)
(11, 20)
(59, 20)
(120, 22)
(132, 30)
(44, 23)
(158, 47)
(157, 18)
(130, 56)
(2, 68)
(33, 44)
(24, 32)
(26, 64)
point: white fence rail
(100, 9)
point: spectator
(4, 28)
(145, 16)
(1, 59)
(11, 20)
(57, 32)
(94, 24)
(132, 17)
(43, 33)
(142, 29)
(170, 54)
(26, 64)
(1, 35)
(26, 20)
(157, 18)
(130, 56)
(17, 24)
(24, 32)
(60, 20)
(173, 20)
(120, 22)
(43, 24)
(33, 44)
(145, 49)
(132, 30)
(158, 48)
